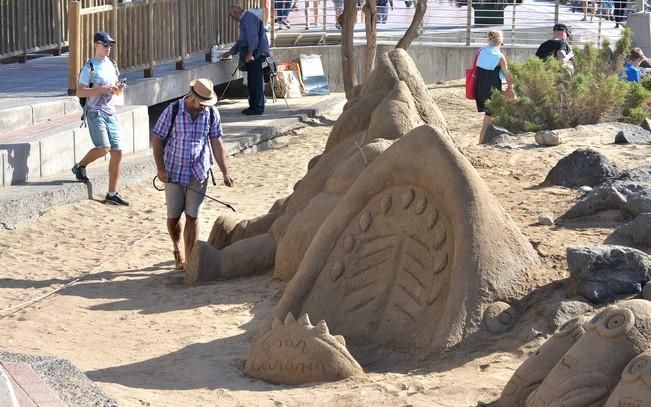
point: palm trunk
(413, 31)
(370, 9)
(347, 47)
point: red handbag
(471, 79)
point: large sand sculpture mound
(413, 254)
(395, 244)
(395, 102)
(604, 351)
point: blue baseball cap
(104, 38)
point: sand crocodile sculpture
(601, 361)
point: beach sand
(149, 340)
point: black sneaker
(80, 173)
(245, 111)
(254, 112)
(115, 200)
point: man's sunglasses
(105, 44)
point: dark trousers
(620, 10)
(255, 79)
(282, 9)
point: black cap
(561, 27)
(104, 38)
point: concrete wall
(435, 62)
(57, 149)
(173, 84)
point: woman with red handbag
(492, 69)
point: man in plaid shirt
(182, 153)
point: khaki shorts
(181, 199)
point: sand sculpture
(395, 102)
(295, 352)
(391, 237)
(634, 388)
(413, 253)
(532, 372)
(587, 373)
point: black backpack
(82, 101)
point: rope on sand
(12, 310)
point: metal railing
(523, 22)
(150, 32)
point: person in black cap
(557, 46)
(98, 83)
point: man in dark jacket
(253, 49)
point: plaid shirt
(187, 153)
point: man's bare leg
(92, 155)
(175, 228)
(114, 169)
(482, 134)
(190, 234)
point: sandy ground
(148, 340)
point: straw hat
(202, 90)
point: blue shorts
(104, 129)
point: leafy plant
(551, 96)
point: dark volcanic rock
(604, 274)
(633, 135)
(629, 192)
(495, 134)
(638, 231)
(582, 167)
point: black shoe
(115, 200)
(80, 173)
(246, 111)
(254, 112)
(286, 24)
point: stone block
(3, 161)
(15, 117)
(71, 105)
(140, 129)
(44, 111)
(57, 153)
(125, 119)
(23, 162)
(82, 143)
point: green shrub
(550, 97)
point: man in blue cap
(253, 48)
(98, 83)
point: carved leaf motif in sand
(387, 271)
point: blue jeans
(104, 130)
(255, 79)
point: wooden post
(23, 33)
(183, 35)
(325, 15)
(273, 23)
(557, 11)
(149, 72)
(74, 41)
(57, 10)
(114, 19)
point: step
(54, 146)
(17, 113)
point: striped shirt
(187, 153)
